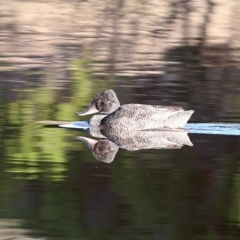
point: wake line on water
(231, 129)
(192, 128)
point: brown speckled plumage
(134, 116)
(141, 117)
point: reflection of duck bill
(133, 116)
(90, 142)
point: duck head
(105, 102)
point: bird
(133, 116)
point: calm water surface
(54, 59)
(54, 188)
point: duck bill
(90, 110)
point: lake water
(54, 59)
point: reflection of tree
(40, 151)
(202, 68)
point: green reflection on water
(32, 149)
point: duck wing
(141, 111)
(139, 117)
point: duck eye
(99, 105)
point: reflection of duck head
(133, 116)
(105, 149)
(102, 149)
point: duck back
(142, 117)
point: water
(55, 57)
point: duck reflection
(106, 147)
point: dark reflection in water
(54, 56)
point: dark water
(54, 59)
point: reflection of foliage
(35, 150)
(81, 86)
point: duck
(133, 116)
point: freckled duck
(133, 116)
